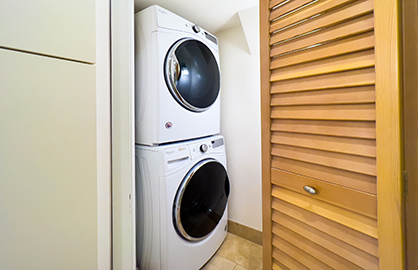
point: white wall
(240, 116)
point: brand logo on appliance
(170, 151)
(168, 125)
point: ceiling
(212, 15)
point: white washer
(177, 79)
(182, 193)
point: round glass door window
(201, 200)
(192, 74)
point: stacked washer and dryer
(182, 184)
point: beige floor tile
(219, 263)
(243, 252)
(239, 267)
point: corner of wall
(250, 30)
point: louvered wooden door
(331, 133)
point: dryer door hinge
(405, 183)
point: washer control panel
(217, 143)
(174, 154)
(204, 147)
(200, 148)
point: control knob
(196, 28)
(203, 148)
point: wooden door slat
(359, 202)
(329, 65)
(299, 255)
(356, 239)
(358, 112)
(324, 50)
(342, 249)
(305, 14)
(289, 8)
(361, 182)
(274, 3)
(353, 129)
(312, 248)
(287, 260)
(347, 218)
(350, 78)
(351, 163)
(360, 147)
(278, 266)
(356, 95)
(345, 31)
(323, 22)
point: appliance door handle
(175, 70)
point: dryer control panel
(169, 20)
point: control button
(203, 148)
(196, 28)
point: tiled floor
(236, 253)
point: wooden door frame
(123, 137)
(410, 86)
(389, 132)
(265, 132)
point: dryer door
(192, 74)
(201, 200)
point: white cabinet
(64, 29)
(48, 163)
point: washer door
(192, 74)
(201, 200)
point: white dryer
(177, 79)
(182, 194)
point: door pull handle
(310, 190)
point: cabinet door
(331, 137)
(48, 178)
(63, 29)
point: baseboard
(245, 232)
